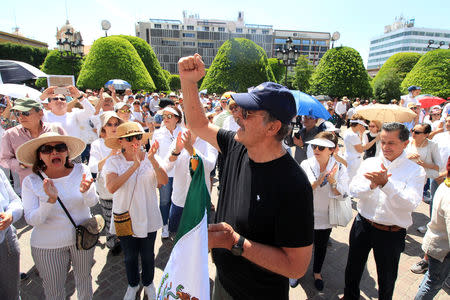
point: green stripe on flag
(197, 201)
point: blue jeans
(175, 217)
(434, 278)
(134, 247)
(165, 199)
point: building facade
(403, 36)
(17, 38)
(172, 39)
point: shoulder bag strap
(62, 205)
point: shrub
(238, 65)
(114, 58)
(341, 73)
(278, 70)
(303, 72)
(34, 56)
(55, 65)
(174, 82)
(432, 73)
(150, 61)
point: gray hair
(284, 130)
(403, 132)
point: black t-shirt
(269, 203)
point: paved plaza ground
(109, 279)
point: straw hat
(124, 130)
(26, 153)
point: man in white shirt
(341, 110)
(389, 188)
(154, 103)
(413, 92)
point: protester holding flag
(265, 211)
(132, 177)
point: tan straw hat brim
(26, 153)
(114, 143)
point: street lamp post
(287, 56)
(71, 48)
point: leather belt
(392, 228)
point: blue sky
(357, 21)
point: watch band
(238, 248)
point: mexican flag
(186, 274)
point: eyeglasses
(124, 111)
(372, 126)
(417, 132)
(247, 113)
(57, 98)
(321, 148)
(21, 113)
(112, 124)
(47, 149)
(167, 116)
(130, 138)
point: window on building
(189, 35)
(205, 28)
(221, 29)
(280, 41)
(175, 27)
(265, 32)
(296, 42)
(205, 45)
(147, 35)
(238, 30)
(189, 44)
(305, 42)
(321, 43)
(189, 27)
(253, 31)
(157, 25)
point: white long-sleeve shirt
(52, 227)
(9, 202)
(182, 177)
(99, 151)
(165, 139)
(71, 121)
(393, 203)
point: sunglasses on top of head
(22, 113)
(321, 148)
(130, 138)
(47, 149)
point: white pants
(54, 264)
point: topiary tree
(432, 73)
(341, 73)
(150, 61)
(394, 70)
(174, 82)
(31, 55)
(303, 71)
(55, 65)
(387, 87)
(278, 69)
(238, 65)
(114, 58)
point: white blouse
(322, 195)
(98, 152)
(137, 195)
(165, 139)
(52, 227)
(429, 154)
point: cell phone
(62, 90)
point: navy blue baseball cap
(413, 88)
(271, 97)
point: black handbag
(88, 232)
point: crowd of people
(285, 181)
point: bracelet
(175, 154)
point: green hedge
(150, 61)
(34, 56)
(55, 65)
(174, 82)
(303, 72)
(432, 73)
(114, 58)
(278, 70)
(386, 84)
(238, 65)
(341, 72)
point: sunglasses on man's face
(168, 116)
(417, 132)
(21, 113)
(47, 149)
(57, 98)
(130, 138)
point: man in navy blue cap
(264, 221)
(413, 92)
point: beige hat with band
(26, 153)
(124, 130)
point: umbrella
(12, 71)
(387, 113)
(19, 91)
(118, 84)
(429, 101)
(309, 106)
